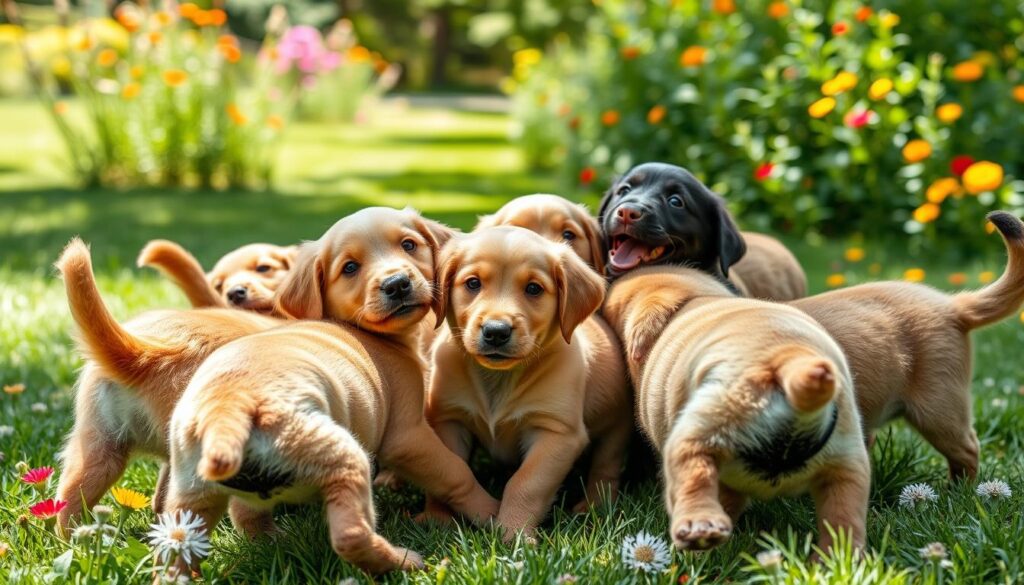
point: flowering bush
(805, 117)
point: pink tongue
(629, 254)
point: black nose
(237, 294)
(496, 333)
(396, 287)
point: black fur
(1007, 224)
(255, 479)
(788, 451)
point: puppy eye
(623, 190)
(263, 268)
(675, 201)
(473, 283)
(568, 236)
(408, 245)
(533, 289)
(350, 267)
(217, 286)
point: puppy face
(247, 277)
(661, 214)
(556, 219)
(509, 293)
(373, 269)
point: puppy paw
(435, 512)
(701, 530)
(388, 479)
(411, 560)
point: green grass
(452, 166)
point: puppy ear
(301, 294)
(731, 246)
(606, 201)
(287, 255)
(592, 231)
(580, 292)
(448, 265)
(436, 233)
(486, 221)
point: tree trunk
(441, 19)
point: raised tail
(127, 358)
(808, 379)
(223, 424)
(181, 267)
(1003, 297)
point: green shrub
(810, 116)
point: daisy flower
(6, 431)
(565, 578)
(917, 493)
(47, 509)
(39, 407)
(130, 499)
(179, 534)
(37, 477)
(645, 552)
(770, 560)
(996, 489)
(935, 551)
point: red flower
(37, 476)
(854, 119)
(840, 28)
(47, 509)
(959, 164)
(587, 175)
(763, 171)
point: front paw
(436, 512)
(701, 530)
(411, 560)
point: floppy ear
(606, 200)
(580, 292)
(592, 231)
(486, 221)
(731, 246)
(437, 235)
(448, 265)
(301, 296)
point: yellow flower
(822, 107)
(236, 115)
(990, 228)
(162, 18)
(927, 213)
(107, 57)
(986, 277)
(913, 275)
(941, 189)
(61, 66)
(724, 6)
(916, 151)
(880, 88)
(957, 279)
(1018, 93)
(275, 122)
(835, 280)
(968, 71)
(60, 108)
(982, 176)
(526, 57)
(610, 118)
(854, 254)
(14, 388)
(778, 10)
(693, 56)
(359, 54)
(131, 90)
(842, 82)
(949, 113)
(656, 114)
(129, 498)
(175, 77)
(888, 19)
(136, 71)
(4, 547)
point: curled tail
(1003, 297)
(181, 267)
(127, 358)
(223, 425)
(807, 378)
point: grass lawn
(452, 166)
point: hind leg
(251, 521)
(606, 467)
(944, 418)
(188, 494)
(840, 495)
(92, 464)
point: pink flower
(763, 171)
(47, 509)
(854, 119)
(37, 477)
(960, 164)
(301, 46)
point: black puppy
(661, 214)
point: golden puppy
(909, 348)
(742, 398)
(524, 370)
(556, 219)
(245, 278)
(131, 381)
(295, 413)
(768, 270)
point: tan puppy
(742, 398)
(245, 278)
(909, 348)
(294, 414)
(524, 370)
(131, 381)
(768, 270)
(556, 219)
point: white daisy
(917, 493)
(935, 551)
(646, 552)
(565, 578)
(39, 408)
(770, 560)
(996, 489)
(6, 431)
(174, 535)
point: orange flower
(693, 56)
(957, 279)
(236, 115)
(1018, 93)
(983, 176)
(136, 71)
(724, 6)
(610, 117)
(656, 114)
(60, 108)
(778, 10)
(986, 277)
(916, 151)
(630, 53)
(275, 122)
(843, 81)
(854, 254)
(359, 54)
(941, 189)
(155, 37)
(835, 280)
(217, 17)
(880, 88)
(822, 107)
(840, 28)
(927, 213)
(107, 58)
(949, 113)
(130, 90)
(162, 18)
(84, 43)
(913, 275)
(968, 71)
(128, 17)
(990, 228)
(231, 53)
(175, 77)
(188, 10)
(863, 13)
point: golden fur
(253, 272)
(559, 381)
(716, 375)
(768, 270)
